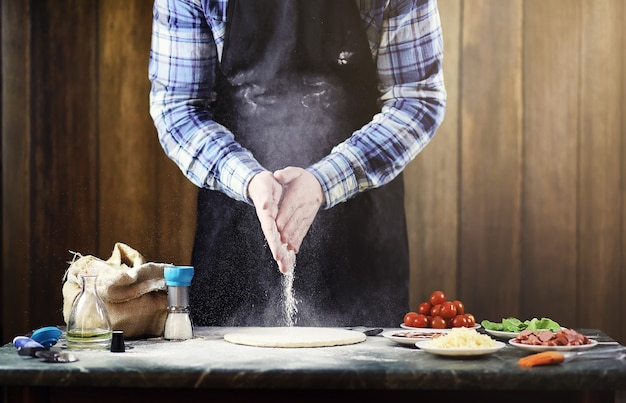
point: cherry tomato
(448, 310)
(409, 318)
(437, 297)
(438, 322)
(435, 310)
(460, 307)
(424, 308)
(460, 321)
(420, 321)
(471, 320)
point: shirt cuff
(235, 173)
(337, 178)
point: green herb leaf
(516, 325)
(542, 324)
(491, 325)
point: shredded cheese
(462, 337)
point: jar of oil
(88, 326)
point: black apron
(297, 78)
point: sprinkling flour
(289, 300)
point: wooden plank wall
(15, 226)
(516, 207)
(550, 157)
(600, 159)
(144, 200)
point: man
(295, 118)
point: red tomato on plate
(420, 321)
(448, 310)
(438, 322)
(460, 321)
(460, 307)
(437, 297)
(424, 308)
(471, 320)
(409, 317)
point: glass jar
(178, 324)
(88, 326)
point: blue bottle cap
(178, 276)
(47, 336)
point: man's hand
(265, 192)
(301, 199)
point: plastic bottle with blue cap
(178, 324)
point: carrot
(543, 358)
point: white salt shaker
(178, 323)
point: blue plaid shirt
(407, 47)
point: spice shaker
(178, 324)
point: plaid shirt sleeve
(406, 41)
(182, 71)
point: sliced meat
(545, 335)
(563, 337)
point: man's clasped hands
(286, 203)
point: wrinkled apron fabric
(297, 78)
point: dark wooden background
(517, 207)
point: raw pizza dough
(294, 337)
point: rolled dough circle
(294, 337)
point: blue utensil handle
(26, 342)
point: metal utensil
(373, 332)
(367, 331)
(56, 356)
(618, 353)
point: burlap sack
(133, 290)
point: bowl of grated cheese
(461, 341)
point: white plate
(535, 348)
(410, 340)
(431, 330)
(459, 352)
(502, 334)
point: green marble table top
(208, 361)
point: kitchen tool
(27, 346)
(368, 331)
(23, 341)
(178, 322)
(552, 357)
(618, 353)
(372, 332)
(56, 356)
